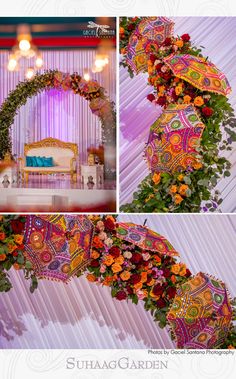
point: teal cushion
(48, 162)
(34, 161)
(39, 161)
(29, 161)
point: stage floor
(58, 195)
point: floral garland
(91, 91)
(131, 272)
(164, 192)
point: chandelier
(24, 49)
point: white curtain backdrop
(84, 315)
(58, 114)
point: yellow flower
(161, 90)
(178, 89)
(178, 199)
(175, 268)
(182, 270)
(198, 101)
(179, 43)
(180, 177)
(138, 285)
(173, 189)
(182, 189)
(197, 165)
(18, 239)
(125, 275)
(187, 99)
(116, 267)
(156, 178)
(149, 197)
(11, 247)
(151, 283)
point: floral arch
(91, 90)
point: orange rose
(178, 89)
(173, 189)
(173, 278)
(182, 270)
(18, 239)
(125, 275)
(91, 278)
(97, 242)
(95, 254)
(107, 281)
(197, 165)
(2, 257)
(230, 347)
(151, 283)
(108, 260)
(116, 267)
(138, 286)
(187, 99)
(143, 277)
(2, 236)
(175, 268)
(178, 199)
(182, 189)
(11, 247)
(16, 266)
(156, 178)
(180, 177)
(179, 43)
(157, 258)
(198, 101)
(122, 30)
(120, 260)
(156, 297)
(123, 51)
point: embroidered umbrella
(58, 246)
(150, 31)
(173, 139)
(201, 73)
(145, 238)
(201, 315)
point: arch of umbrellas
(137, 264)
(182, 151)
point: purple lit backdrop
(58, 114)
(218, 36)
(84, 315)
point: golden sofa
(64, 156)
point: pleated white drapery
(58, 114)
(84, 315)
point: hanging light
(39, 61)
(24, 45)
(30, 73)
(12, 63)
(86, 75)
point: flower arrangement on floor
(137, 264)
(181, 78)
(91, 90)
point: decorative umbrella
(201, 73)
(173, 139)
(145, 238)
(200, 316)
(151, 30)
(58, 246)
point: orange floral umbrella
(150, 31)
(145, 238)
(201, 73)
(201, 314)
(173, 139)
(58, 246)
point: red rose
(208, 112)
(121, 295)
(171, 291)
(158, 290)
(94, 263)
(185, 37)
(161, 100)
(188, 273)
(161, 303)
(17, 226)
(167, 42)
(15, 253)
(109, 224)
(114, 251)
(166, 273)
(135, 278)
(136, 258)
(150, 97)
(166, 75)
(131, 27)
(152, 58)
(129, 290)
(158, 66)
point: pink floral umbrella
(58, 246)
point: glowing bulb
(24, 45)
(39, 62)
(29, 73)
(12, 64)
(86, 76)
(99, 63)
(106, 60)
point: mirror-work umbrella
(58, 246)
(145, 238)
(201, 315)
(151, 30)
(202, 74)
(173, 139)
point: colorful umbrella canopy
(173, 139)
(200, 316)
(152, 30)
(58, 246)
(201, 73)
(145, 238)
